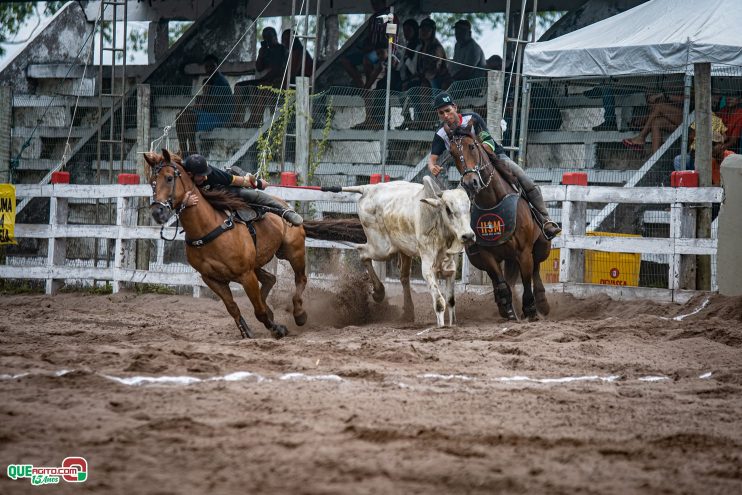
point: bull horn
(431, 187)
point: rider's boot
(550, 227)
(263, 199)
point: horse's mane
(222, 200)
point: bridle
(478, 168)
(170, 204)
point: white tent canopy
(657, 36)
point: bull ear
(434, 202)
(166, 155)
(432, 190)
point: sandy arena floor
(601, 397)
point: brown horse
(224, 250)
(489, 183)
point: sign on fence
(7, 213)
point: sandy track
(342, 406)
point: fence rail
(574, 200)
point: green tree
(15, 15)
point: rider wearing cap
(448, 113)
(209, 178)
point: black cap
(441, 100)
(196, 165)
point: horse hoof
(378, 296)
(279, 331)
(301, 318)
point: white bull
(415, 220)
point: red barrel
(376, 178)
(288, 179)
(60, 178)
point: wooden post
(57, 249)
(572, 261)
(126, 216)
(331, 37)
(303, 130)
(158, 41)
(6, 116)
(144, 138)
(494, 103)
(702, 83)
(682, 266)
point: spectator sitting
(731, 114)
(212, 108)
(433, 74)
(367, 51)
(466, 51)
(297, 52)
(718, 153)
(665, 114)
(432, 67)
(272, 58)
(494, 63)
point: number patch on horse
(495, 225)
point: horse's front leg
(222, 290)
(252, 288)
(525, 261)
(503, 295)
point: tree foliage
(14, 15)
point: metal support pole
(390, 40)
(685, 124)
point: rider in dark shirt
(209, 178)
(448, 113)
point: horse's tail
(345, 230)
(337, 189)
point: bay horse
(223, 250)
(490, 183)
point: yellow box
(612, 268)
(549, 269)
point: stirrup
(286, 212)
(556, 225)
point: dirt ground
(600, 397)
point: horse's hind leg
(297, 258)
(222, 290)
(267, 281)
(540, 252)
(539, 291)
(525, 262)
(408, 313)
(249, 281)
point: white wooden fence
(573, 241)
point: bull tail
(336, 229)
(337, 189)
